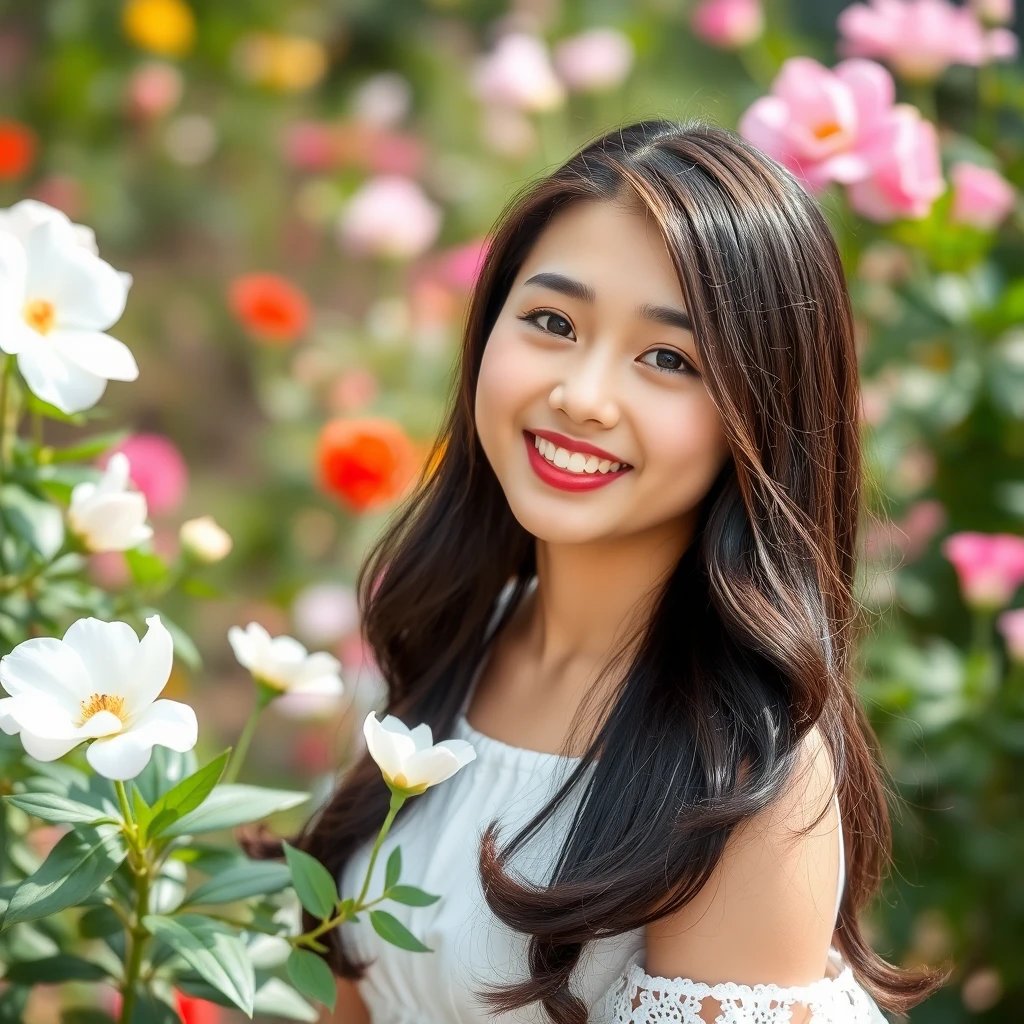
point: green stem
(981, 630)
(126, 809)
(5, 379)
(137, 939)
(264, 695)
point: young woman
(628, 585)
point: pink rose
(594, 61)
(982, 197)
(1011, 625)
(518, 74)
(919, 39)
(728, 24)
(391, 217)
(989, 566)
(157, 469)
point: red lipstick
(562, 478)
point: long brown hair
(762, 596)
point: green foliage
(313, 884)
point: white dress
(471, 949)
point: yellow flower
(282, 62)
(167, 27)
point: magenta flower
(1011, 625)
(728, 24)
(596, 60)
(157, 469)
(989, 566)
(982, 197)
(843, 125)
(919, 39)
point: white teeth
(573, 462)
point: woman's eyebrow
(666, 315)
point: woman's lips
(562, 478)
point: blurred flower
(204, 541)
(921, 38)
(993, 12)
(460, 266)
(190, 139)
(269, 307)
(99, 683)
(167, 27)
(383, 99)
(367, 463)
(157, 470)
(27, 214)
(408, 758)
(390, 216)
(843, 125)
(17, 148)
(107, 516)
(283, 665)
(309, 145)
(507, 132)
(982, 197)
(56, 300)
(287, 63)
(728, 24)
(196, 1011)
(989, 566)
(354, 390)
(325, 612)
(154, 89)
(596, 60)
(518, 74)
(1011, 625)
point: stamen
(40, 315)
(102, 702)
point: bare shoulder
(766, 914)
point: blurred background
(302, 192)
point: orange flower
(196, 1011)
(269, 306)
(167, 27)
(17, 148)
(367, 463)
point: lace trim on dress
(838, 1000)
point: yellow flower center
(102, 702)
(40, 315)
(827, 129)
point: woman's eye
(550, 322)
(669, 360)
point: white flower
(99, 683)
(57, 298)
(22, 217)
(205, 540)
(282, 663)
(408, 758)
(107, 516)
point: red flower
(367, 463)
(196, 1011)
(269, 307)
(17, 149)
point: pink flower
(989, 566)
(843, 125)
(919, 39)
(728, 24)
(982, 197)
(390, 217)
(459, 267)
(309, 146)
(518, 74)
(154, 88)
(157, 469)
(1011, 625)
(596, 60)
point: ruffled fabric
(832, 1000)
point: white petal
(48, 666)
(438, 763)
(53, 379)
(151, 669)
(16, 335)
(13, 271)
(319, 664)
(25, 214)
(107, 649)
(88, 292)
(249, 644)
(98, 353)
(168, 723)
(287, 650)
(321, 685)
(116, 474)
(109, 524)
(386, 747)
(47, 730)
(422, 736)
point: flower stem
(5, 379)
(137, 937)
(126, 809)
(264, 695)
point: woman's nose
(586, 390)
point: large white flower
(408, 758)
(108, 516)
(281, 663)
(99, 683)
(27, 214)
(57, 298)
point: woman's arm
(350, 1008)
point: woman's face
(592, 350)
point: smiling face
(592, 353)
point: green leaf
(231, 804)
(250, 878)
(187, 795)
(85, 1015)
(411, 896)
(394, 868)
(276, 999)
(87, 450)
(54, 969)
(388, 927)
(37, 522)
(213, 950)
(142, 811)
(312, 977)
(98, 922)
(13, 1003)
(313, 883)
(81, 861)
(165, 770)
(51, 807)
(151, 1009)
(145, 566)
